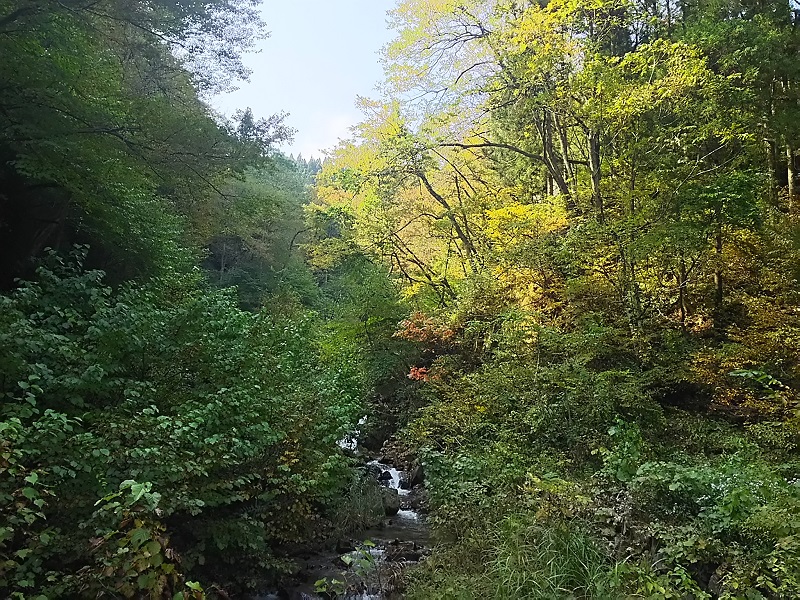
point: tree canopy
(556, 265)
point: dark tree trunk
(791, 174)
(594, 168)
(718, 284)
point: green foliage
(360, 506)
(24, 535)
(104, 137)
(523, 559)
(622, 461)
(130, 553)
(589, 211)
(256, 233)
(230, 417)
(363, 574)
(739, 515)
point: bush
(231, 417)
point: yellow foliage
(507, 225)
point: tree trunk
(465, 240)
(772, 161)
(791, 173)
(569, 172)
(222, 260)
(718, 288)
(550, 156)
(682, 283)
(594, 168)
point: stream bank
(370, 563)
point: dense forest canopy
(558, 257)
(592, 206)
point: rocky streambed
(369, 565)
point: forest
(555, 268)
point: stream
(369, 566)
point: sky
(320, 55)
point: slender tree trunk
(718, 285)
(682, 283)
(772, 152)
(791, 173)
(569, 172)
(772, 161)
(594, 168)
(669, 15)
(550, 156)
(465, 240)
(222, 259)
(629, 294)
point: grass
(361, 508)
(517, 558)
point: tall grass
(531, 560)
(360, 508)
(514, 559)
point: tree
(103, 134)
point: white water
(394, 482)
(405, 527)
(350, 441)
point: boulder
(403, 552)
(343, 546)
(391, 501)
(385, 476)
(405, 484)
(416, 476)
(373, 470)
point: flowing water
(370, 571)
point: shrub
(231, 416)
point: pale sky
(320, 55)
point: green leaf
(137, 491)
(138, 536)
(153, 547)
(145, 580)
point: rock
(377, 430)
(417, 500)
(404, 483)
(416, 476)
(385, 460)
(391, 501)
(714, 584)
(373, 470)
(403, 552)
(343, 546)
(385, 476)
